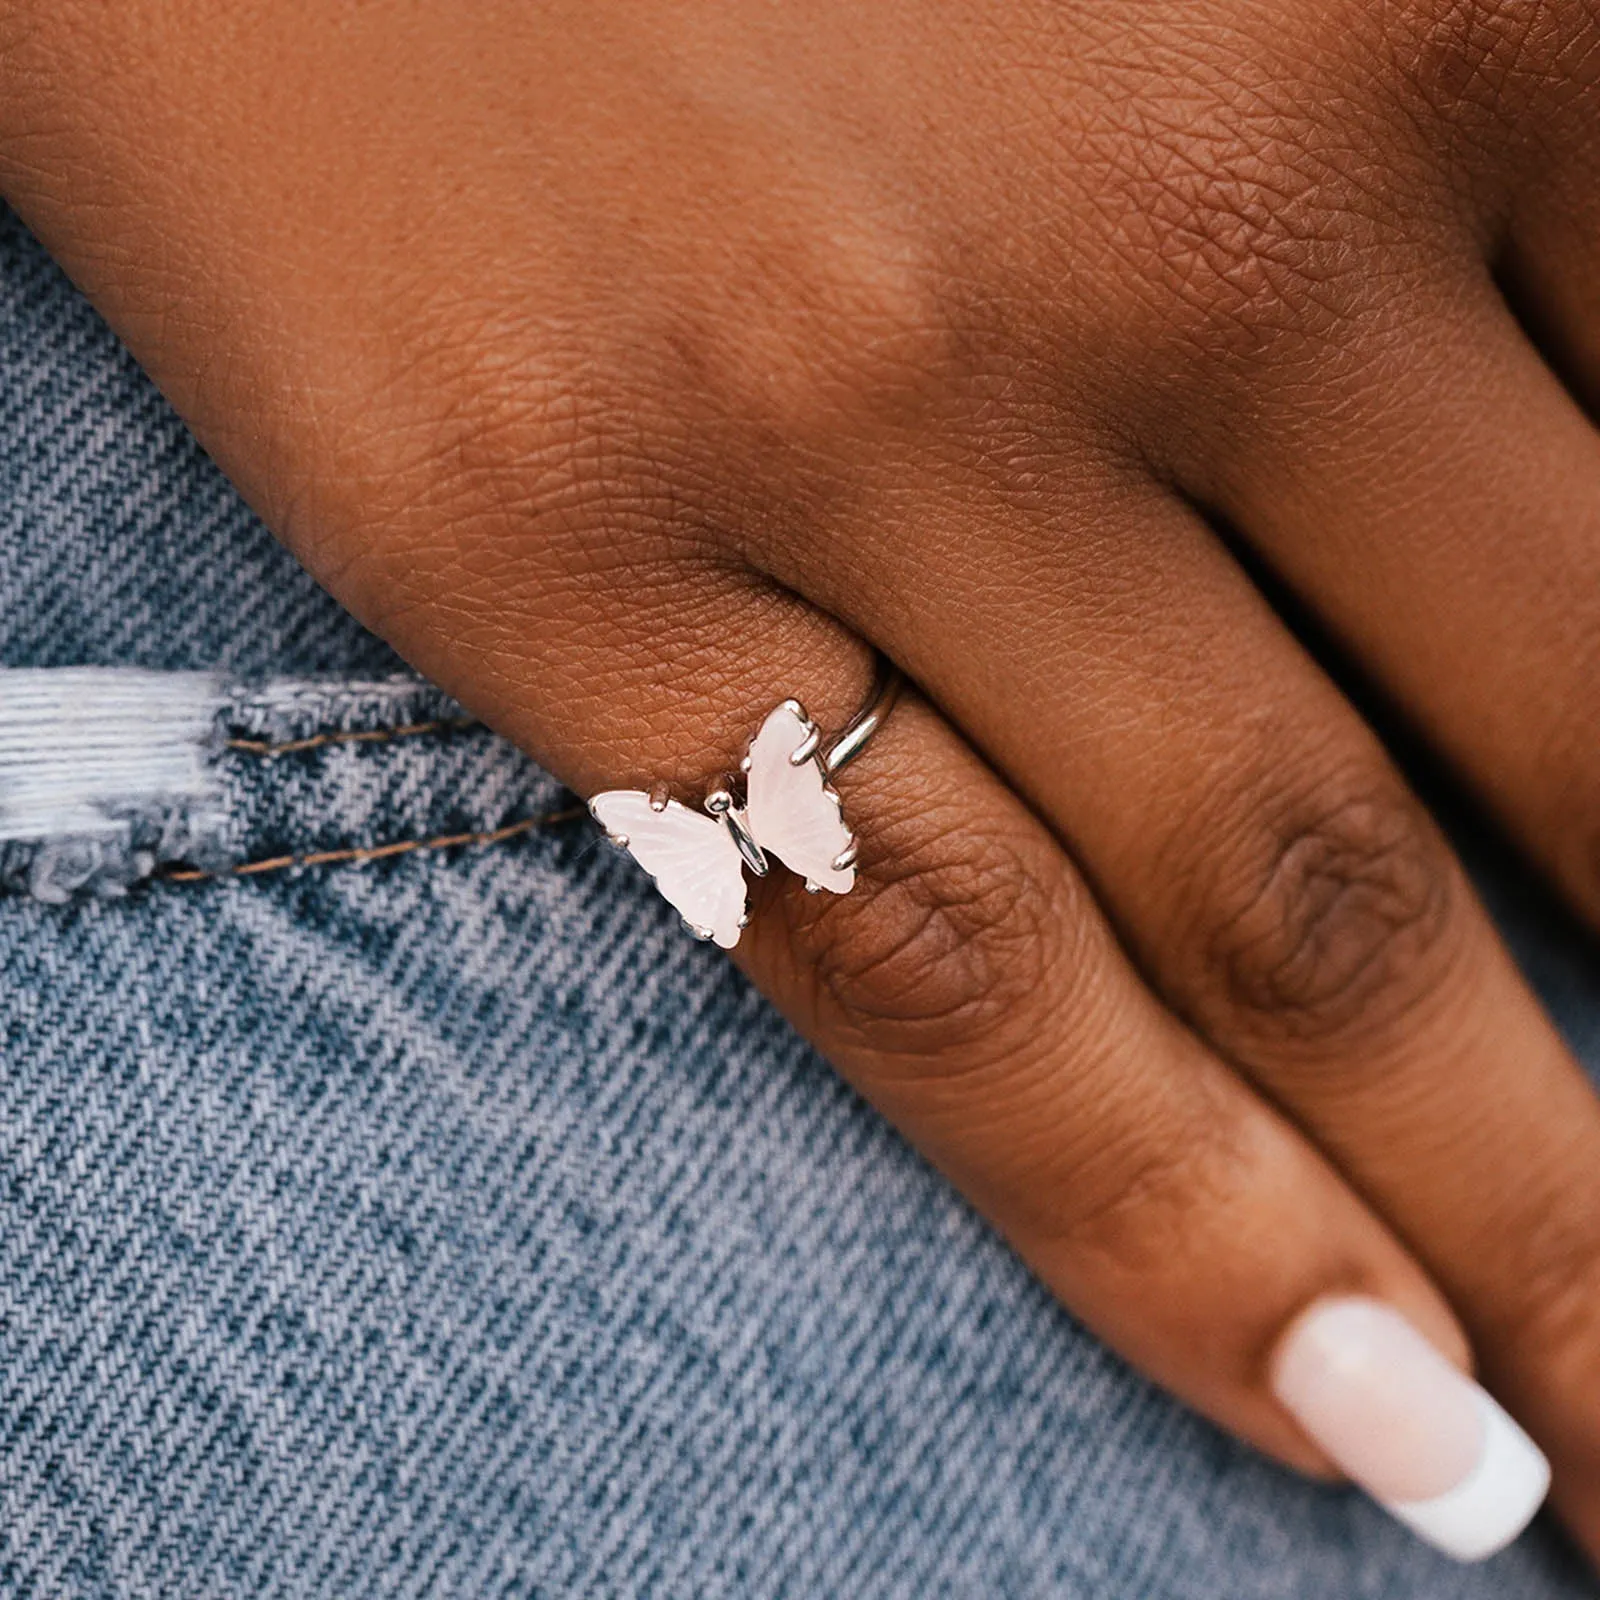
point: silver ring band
(858, 732)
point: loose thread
(262, 747)
(331, 858)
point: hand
(633, 366)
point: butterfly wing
(791, 809)
(692, 857)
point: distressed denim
(393, 1202)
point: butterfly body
(697, 858)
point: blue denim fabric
(447, 1224)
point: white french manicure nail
(1418, 1435)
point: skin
(631, 366)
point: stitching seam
(333, 858)
(261, 747)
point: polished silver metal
(720, 802)
(804, 752)
(860, 729)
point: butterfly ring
(789, 810)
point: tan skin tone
(633, 365)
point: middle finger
(1279, 886)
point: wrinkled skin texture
(632, 366)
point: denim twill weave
(448, 1225)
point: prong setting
(808, 748)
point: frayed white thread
(98, 766)
(80, 745)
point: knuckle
(1245, 231)
(835, 321)
(488, 424)
(1252, 245)
(955, 940)
(715, 401)
(1158, 1191)
(571, 440)
(1347, 924)
(1486, 56)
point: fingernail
(1426, 1442)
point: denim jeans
(393, 1202)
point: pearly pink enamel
(793, 814)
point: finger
(969, 986)
(1447, 528)
(977, 997)
(1281, 887)
(1551, 259)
